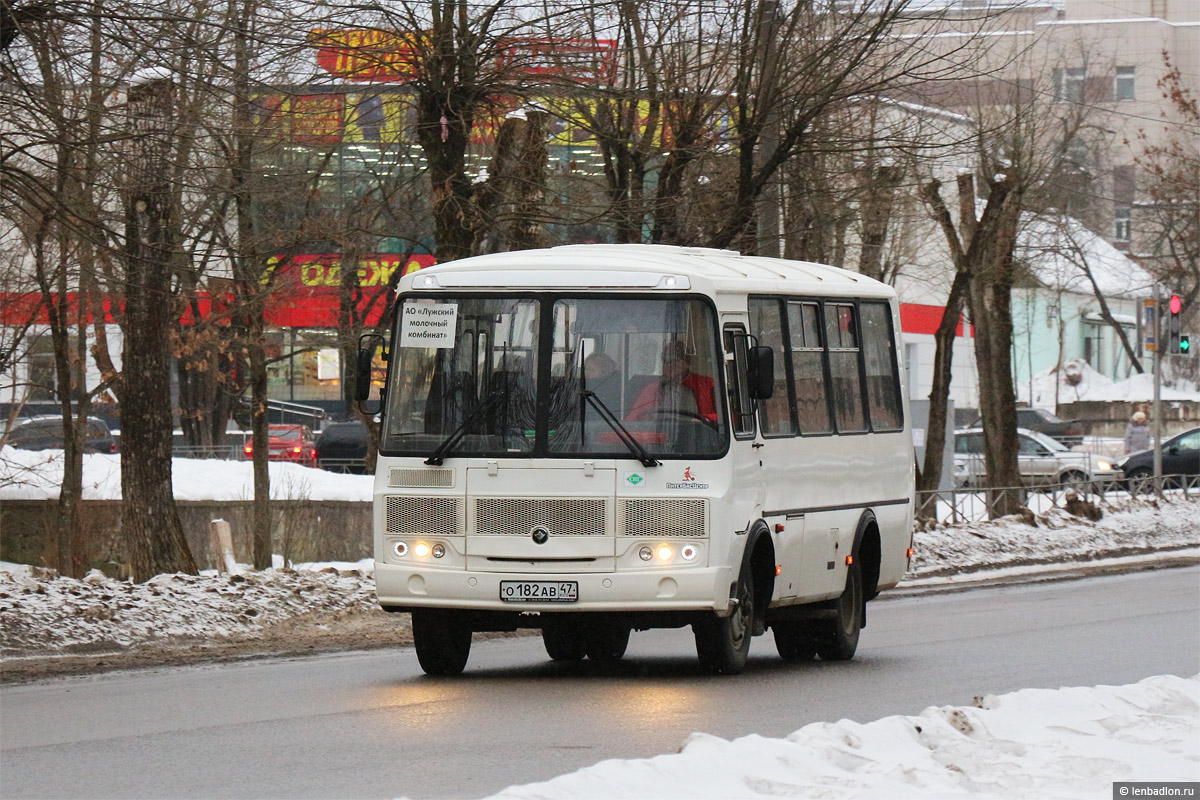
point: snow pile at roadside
(1069, 743)
(42, 613)
(1076, 380)
(1138, 527)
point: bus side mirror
(761, 372)
(367, 344)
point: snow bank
(1069, 743)
(1137, 527)
(37, 475)
(42, 613)
(1077, 381)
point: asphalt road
(371, 725)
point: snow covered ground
(1070, 743)
(1035, 743)
(1076, 381)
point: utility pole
(1158, 357)
(769, 238)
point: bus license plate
(539, 591)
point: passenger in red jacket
(668, 393)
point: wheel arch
(760, 555)
(868, 553)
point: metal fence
(956, 506)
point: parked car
(1180, 456)
(288, 443)
(1065, 431)
(342, 446)
(46, 433)
(1042, 461)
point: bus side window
(775, 413)
(841, 336)
(808, 368)
(740, 406)
(883, 380)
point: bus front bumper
(698, 589)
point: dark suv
(46, 433)
(342, 446)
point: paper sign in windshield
(428, 324)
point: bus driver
(668, 393)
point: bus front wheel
(723, 643)
(839, 639)
(442, 641)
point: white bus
(594, 439)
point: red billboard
(364, 54)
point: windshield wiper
(622, 432)
(435, 459)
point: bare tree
(1169, 214)
(54, 151)
(1024, 143)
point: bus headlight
(421, 550)
(688, 552)
(664, 553)
(400, 549)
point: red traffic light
(1175, 304)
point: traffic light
(1185, 344)
(1174, 335)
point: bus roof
(644, 266)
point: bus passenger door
(747, 493)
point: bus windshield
(564, 376)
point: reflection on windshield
(480, 369)
(650, 363)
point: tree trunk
(251, 279)
(876, 216)
(259, 437)
(939, 393)
(149, 520)
(991, 304)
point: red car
(288, 443)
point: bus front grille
(559, 516)
(402, 478)
(427, 516)
(653, 517)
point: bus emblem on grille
(540, 535)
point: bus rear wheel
(606, 643)
(794, 641)
(723, 643)
(442, 641)
(839, 639)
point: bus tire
(723, 643)
(794, 641)
(839, 639)
(606, 643)
(442, 641)
(563, 642)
